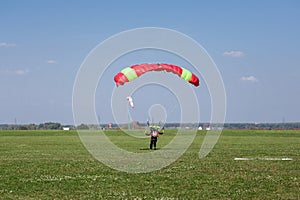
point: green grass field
(55, 165)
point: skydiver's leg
(155, 144)
(151, 143)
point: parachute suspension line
(128, 123)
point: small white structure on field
(66, 128)
(200, 128)
(208, 128)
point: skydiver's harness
(154, 135)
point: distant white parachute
(130, 101)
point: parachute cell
(133, 72)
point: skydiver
(153, 137)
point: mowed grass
(55, 165)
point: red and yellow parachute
(134, 71)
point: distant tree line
(267, 126)
(137, 125)
(43, 126)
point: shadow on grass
(147, 149)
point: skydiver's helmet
(153, 129)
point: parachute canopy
(135, 71)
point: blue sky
(255, 45)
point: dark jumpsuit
(153, 139)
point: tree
(83, 127)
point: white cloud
(17, 71)
(21, 71)
(249, 78)
(234, 53)
(4, 44)
(51, 62)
